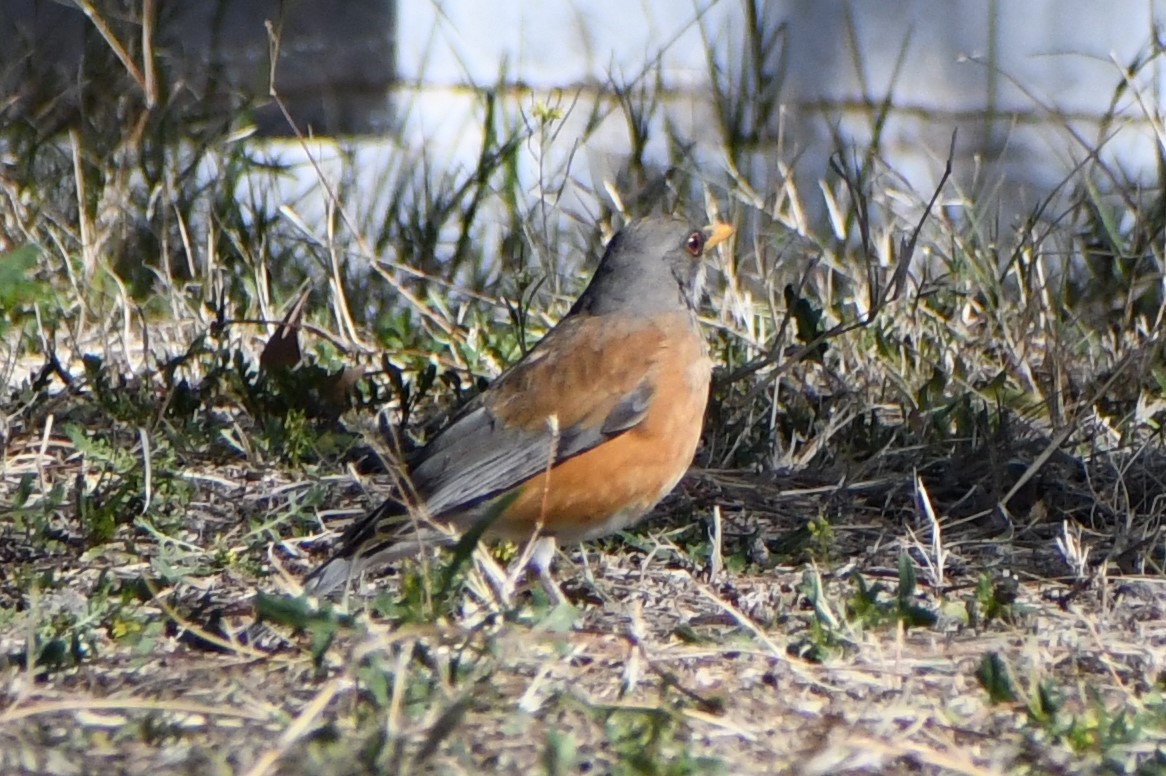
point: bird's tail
(329, 576)
(385, 535)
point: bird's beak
(716, 233)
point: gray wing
(479, 456)
(594, 375)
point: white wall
(1039, 64)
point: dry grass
(659, 664)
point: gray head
(651, 265)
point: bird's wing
(593, 375)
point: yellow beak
(716, 233)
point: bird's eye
(695, 243)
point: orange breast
(608, 487)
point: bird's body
(586, 433)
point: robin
(583, 435)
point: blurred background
(1034, 88)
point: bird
(583, 435)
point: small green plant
(1096, 730)
(870, 606)
(824, 638)
(559, 754)
(993, 675)
(323, 623)
(652, 742)
(20, 288)
(822, 539)
(994, 600)
(116, 496)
